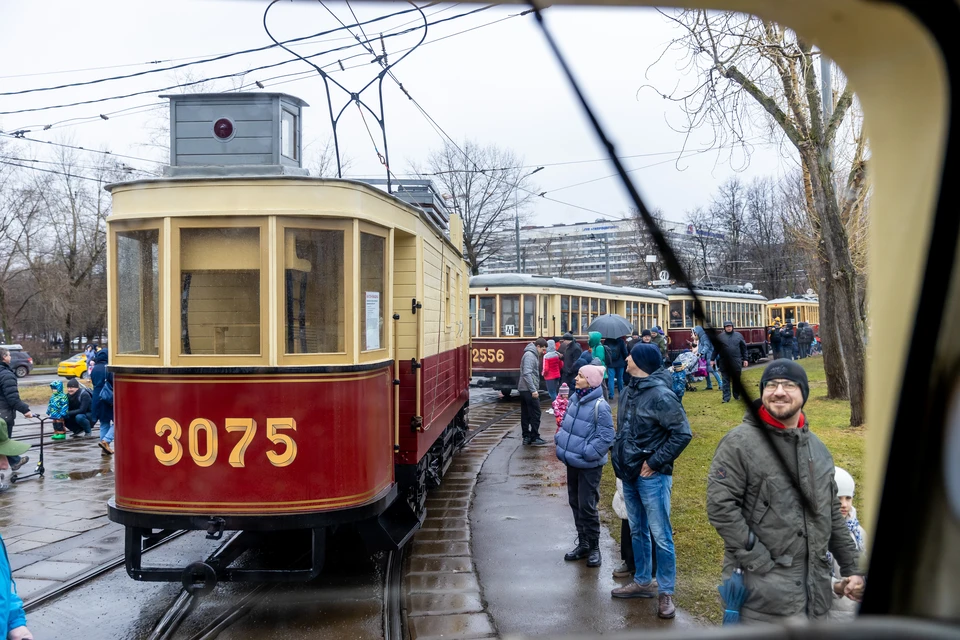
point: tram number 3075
(203, 430)
(487, 355)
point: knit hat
(567, 336)
(73, 384)
(844, 482)
(593, 375)
(646, 332)
(786, 370)
(564, 390)
(728, 323)
(646, 356)
(658, 329)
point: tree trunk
(840, 282)
(830, 341)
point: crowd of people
(789, 527)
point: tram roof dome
(235, 134)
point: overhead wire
(59, 173)
(251, 70)
(70, 146)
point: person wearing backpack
(583, 441)
(103, 402)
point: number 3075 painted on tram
(487, 355)
(173, 431)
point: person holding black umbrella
(753, 488)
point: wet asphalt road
(522, 526)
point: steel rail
(43, 597)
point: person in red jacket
(552, 364)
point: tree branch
(769, 104)
(839, 111)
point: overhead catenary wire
(59, 173)
(70, 146)
(251, 70)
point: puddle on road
(79, 475)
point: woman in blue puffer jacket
(584, 438)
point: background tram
(796, 309)
(289, 353)
(745, 310)
(507, 311)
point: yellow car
(73, 367)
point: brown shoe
(665, 607)
(634, 590)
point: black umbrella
(611, 325)
(734, 592)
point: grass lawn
(39, 394)
(699, 548)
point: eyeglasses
(788, 385)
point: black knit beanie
(786, 370)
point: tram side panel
(235, 445)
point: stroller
(690, 364)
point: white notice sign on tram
(373, 320)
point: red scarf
(773, 422)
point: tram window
(543, 315)
(564, 314)
(789, 314)
(220, 291)
(603, 307)
(288, 134)
(473, 316)
(529, 315)
(584, 315)
(509, 316)
(138, 290)
(688, 313)
(575, 314)
(447, 295)
(676, 313)
(488, 316)
(372, 288)
(594, 308)
(313, 291)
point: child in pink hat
(560, 404)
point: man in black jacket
(78, 409)
(731, 353)
(10, 403)
(571, 353)
(652, 431)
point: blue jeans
(614, 379)
(78, 423)
(553, 387)
(648, 510)
(106, 431)
(711, 368)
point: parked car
(73, 367)
(20, 360)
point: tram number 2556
(487, 355)
(205, 431)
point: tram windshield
(220, 291)
(313, 291)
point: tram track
(44, 597)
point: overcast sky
(496, 84)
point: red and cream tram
(507, 311)
(795, 310)
(289, 352)
(744, 309)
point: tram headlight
(223, 128)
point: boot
(579, 552)
(594, 559)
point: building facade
(588, 250)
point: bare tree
(321, 159)
(728, 211)
(743, 64)
(487, 187)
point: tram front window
(220, 291)
(488, 316)
(676, 313)
(138, 290)
(313, 291)
(529, 315)
(372, 302)
(509, 315)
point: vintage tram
(805, 308)
(507, 311)
(289, 352)
(739, 305)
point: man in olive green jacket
(749, 489)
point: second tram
(744, 309)
(507, 311)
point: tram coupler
(215, 528)
(199, 579)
